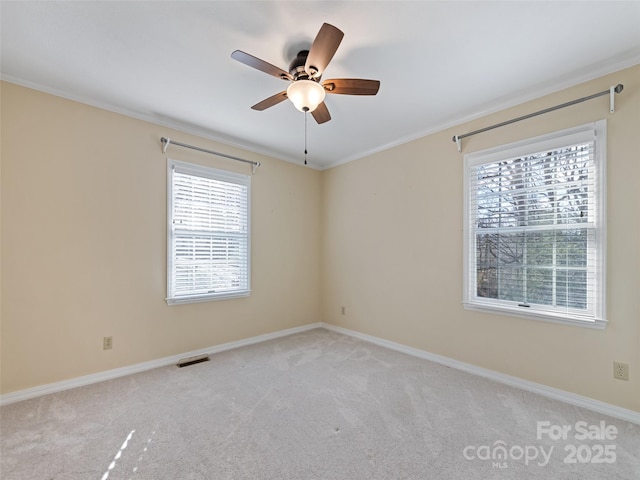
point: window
(534, 227)
(208, 241)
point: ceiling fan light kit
(306, 95)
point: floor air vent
(185, 362)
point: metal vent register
(185, 362)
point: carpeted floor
(315, 405)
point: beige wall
(84, 244)
(381, 236)
(392, 252)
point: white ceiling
(439, 63)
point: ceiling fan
(305, 72)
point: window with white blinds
(534, 227)
(208, 233)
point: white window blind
(208, 233)
(534, 241)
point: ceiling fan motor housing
(296, 67)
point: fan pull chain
(305, 136)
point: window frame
(555, 140)
(218, 175)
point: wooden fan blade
(321, 113)
(261, 65)
(322, 49)
(351, 86)
(271, 101)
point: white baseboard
(34, 392)
(550, 392)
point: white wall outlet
(343, 310)
(107, 343)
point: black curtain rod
(617, 89)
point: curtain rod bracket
(456, 139)
(165, 144)
(612, 91)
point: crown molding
(613, 65)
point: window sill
(207, 297)
(598, 324)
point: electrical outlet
(343, 310)
(107, 343)
(621, 371)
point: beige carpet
(315, 405)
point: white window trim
(216, 174)
(522, 148)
